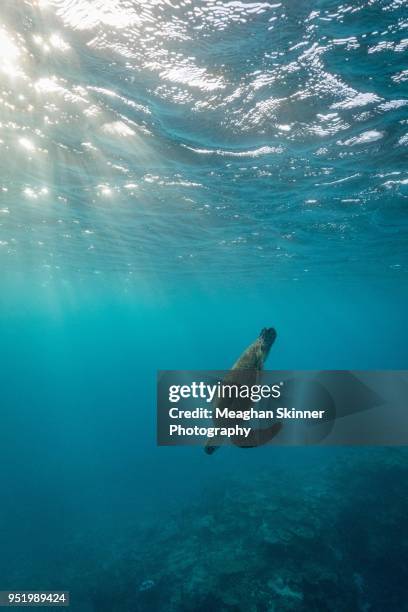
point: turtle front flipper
(257, 437)
(213, 444)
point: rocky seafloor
(269, 543)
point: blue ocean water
(174, 177)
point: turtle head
(267, 337)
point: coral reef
(270, 543)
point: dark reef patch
(332, 542)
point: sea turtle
(246, 371)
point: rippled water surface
(156, 157)
(197, 136)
